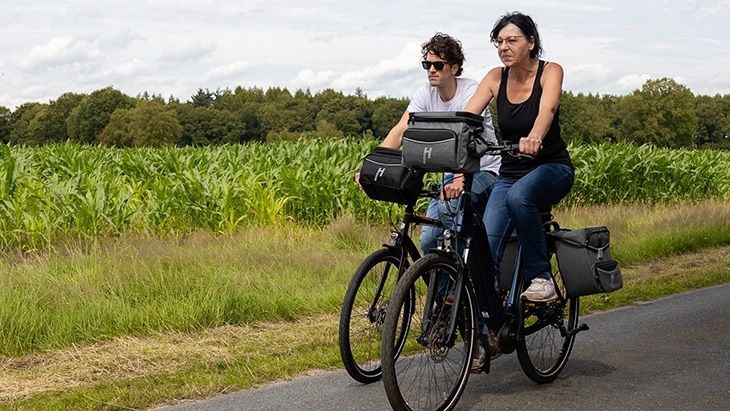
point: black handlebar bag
(444, 141)
(384, 177)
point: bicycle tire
(547, 341)
(428, 375)
(360, 322)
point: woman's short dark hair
(447, 48)
(524, 23)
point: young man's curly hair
(447, 48)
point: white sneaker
(480, 358)
(541, 290)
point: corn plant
(70, 191)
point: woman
(528, 92)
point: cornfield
(69, 191)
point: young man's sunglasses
(438, 65)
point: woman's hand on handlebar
(530, 145)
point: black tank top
(516, 120)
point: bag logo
(379, 173)
(426, 154)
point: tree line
(662, 113)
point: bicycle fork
(439, 322)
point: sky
(173, 48)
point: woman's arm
(552, 89)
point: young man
(443, 60)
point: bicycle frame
(463, 306)
(401, 240)
(505, 319)
(467, 233)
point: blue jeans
(481, 187)
(515, 204)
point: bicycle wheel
(432, 370)
(363, 313)
(547, 340)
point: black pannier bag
(384, 177)
(444, 141)
(584, 259)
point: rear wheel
(547, 338)
(363, 312)
(432, 370)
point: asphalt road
(669, 354)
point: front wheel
(431, 372)
(363, 312)
(548, 335)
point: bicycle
(431, 368)
(367, 298)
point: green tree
(208, 125)
(609, 105)
(49, 126)
(303, 112)
(344, 120)
(386, 114)
(148, 124)
(5, 115)
(203, 98)
(20, 120)
(661, 113)
(348, 113)
(244, 103)
(582, 118)
(91, 116)
(713, 114)
(282, 112)
(328, 131)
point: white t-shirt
(427, 99)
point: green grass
(136, 321)
(133, 277)
(643, 232)
(137, 287)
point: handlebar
(434, 192)
(506, 147)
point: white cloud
(633, 81)
(59, 51)
(405, 62)
(174, 48)
(189, 51)
(588, 72)
(121, 40)
(374, 80)
(128, 69)
(229, 71)
(308, 78)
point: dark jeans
(515, 204)
(481, 188)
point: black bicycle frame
(401, 240)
